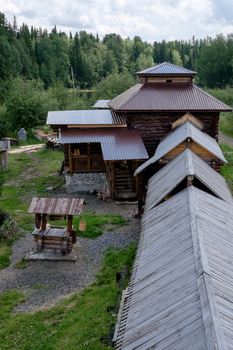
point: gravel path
(45, 282)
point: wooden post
(113, 194)
(70, 160)
(69, 223)
(44, 222)
(5, 160)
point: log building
(117, 139)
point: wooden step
(125, 195)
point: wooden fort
(50, 237)
(123, 133)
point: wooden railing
(83, 163)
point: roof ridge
(204, 276)
(189, 161)
(159, 65)
(212, 97)
(128, 98)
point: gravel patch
(45, 282)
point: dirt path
(225, 139)
(27, 149)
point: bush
(8, 228)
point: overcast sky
(150, 19)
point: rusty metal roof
(101, 104)
(85, 117)
(56, 206)
(167, 97)
(167, 68)
(116, 144)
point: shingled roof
(179, 135)
(181, 294)
(181, 97)
(166, 68)
(172, 174)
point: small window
(168, 81)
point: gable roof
(179, 135)
(166, 68)
(180, 295)
(85, 117)
(56, 206)
(188, 117)
(116, 144)
(172, 174)
(167, 97)
(101, 104)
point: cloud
(224, 10)
(152, 20)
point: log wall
(154, 126)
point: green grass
(78, 323)
(227, 169)
(226, 119)
(226, 123)
(28, 175)
(21, 264)
(5, 252)
(95, 224)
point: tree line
(39, 69)
(85, 59)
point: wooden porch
(83, 158)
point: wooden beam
(69, 223)
(44, 222)
(70, 160)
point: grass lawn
(227, 169)
(29, 175)
(80, 322)
(226, 123)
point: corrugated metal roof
(181, 295)
(85, 117)
(167, 97)
(56, 206)
(101, 104)
(172, 174)
(179, 135)
(116, 144)
(166, 68)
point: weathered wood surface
(154, 127)
(181, 294)
(171, 175)
(177, 137)
(188, 117)
(53, 238)
(56, 206)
